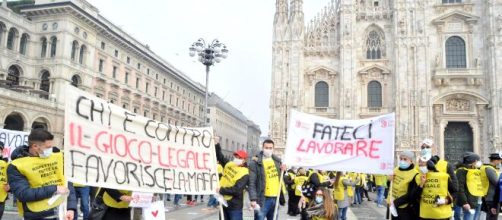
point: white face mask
(267, 152)
(423, 169)
(478, 164)
(238, 161)
(46, 153)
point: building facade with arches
(435, 63)
(49, 44)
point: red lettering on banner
(360, 145)
(374, 148)
(77, 135)
(359, 148)
(103, 147)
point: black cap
(495, 156)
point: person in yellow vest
(117, 202)
(4, 187)
(404, 188)
(381, 184)
(434, 163)
(490, 182)
(264, 172)
(436, 190)
(322, 207)
(470, 189)
(341, 194)
(35, 174)
(360, 182)
(232, 185)
(300, 179)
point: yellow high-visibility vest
(473, 181)
(436, 185)
(42, 172)
(110, 202)
(484, 178)
(401, 182)
(231, 174)
(3, 180)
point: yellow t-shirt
(271, 178)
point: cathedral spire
(280, 19)
(296, 20)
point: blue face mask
(426, 152)
(318, 199)
(403, 164)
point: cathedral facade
(435, 63)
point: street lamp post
(208, 55)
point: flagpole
(279, 195)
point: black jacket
(257, 178)
(20, 187)
(463, 195)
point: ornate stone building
(235, 130)
(433, 62)
(51, 43)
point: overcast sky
(169, 27)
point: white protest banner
(107, 146)
(12, 140)
(155, 211)
(364, 146)
(140, 199)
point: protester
(436, 190)
(289, 181)
(404, 188)
(381, 184)
(29, 182)
(264, 182)
(367, 186)
(233, 183)
(489, 181)
(82, 192)
(4, 190)
(320, 178)
(300, 179)
(117, 202)
(360, 182)
(341, 195)
(322, 207)
(470, 189)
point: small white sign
(155, 211)
(141, 200)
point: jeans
(343, 213)
(177, 198)
(477, 214)
(357, 196)
(83, 194)
(213, 202)
(267, 211)
(380, 194)
(466, 214)
(234, 214)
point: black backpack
(308, 188)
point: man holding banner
(264, 182)
(36, 178)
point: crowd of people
(422, 186)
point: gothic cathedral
(435, 63)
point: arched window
(82, 54)
(75, 80)
(24, 43)
(11, 38)
(40, 123)
(13, 76)
(45, 83)
(455, 53)
(54, 41)
(321, 94)
(375, 45)
(374, 94)
(43, 50)
(14, 122)
(74, 47)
